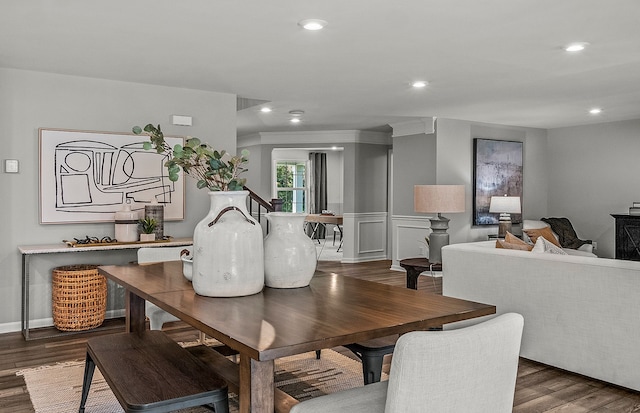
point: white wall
(30, 100)
(593, 172)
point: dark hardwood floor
(539, 388)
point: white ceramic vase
(290, 258)
(228, 259)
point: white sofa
(581, 313)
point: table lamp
(438, 199)
(504, 205)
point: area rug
(57, 388)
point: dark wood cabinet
(627, 236)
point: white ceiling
(495, 61)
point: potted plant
(147, 227)
(228, 234)
(215, 170)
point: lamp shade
(438, 198)
(505, 204)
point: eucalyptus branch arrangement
(212, 169)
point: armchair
(157, 316)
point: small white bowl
(187, 266)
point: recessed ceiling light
(296, 112)
(265, 109)
(419, 84)
(576, 47)
(595, 111)
(295, 120)
(312, 24)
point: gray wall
(593, 172)
(414, 163)
(370, 177)
(455, 166)
(30, 100)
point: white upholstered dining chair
(471, 370)
(157, 316)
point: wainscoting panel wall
(408, 234)
(365, 237)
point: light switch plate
(182, 120)
(11, 166)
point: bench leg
(221, 406)
(89, 368)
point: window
(291, 185)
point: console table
(627, 237)
(28, 251)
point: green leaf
(146, 145)
(137, 130)
(201, 184)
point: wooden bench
(150, 372)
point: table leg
(25, 296)
(412, 277)
(257, 385)
(135, 313)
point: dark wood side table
(416, 266)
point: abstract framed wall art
(88, 176)
(497, 171)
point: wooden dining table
(333, 310)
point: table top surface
(333, 310)
(420, 262)
(325, 219)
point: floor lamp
(438, 199)
(504, 205)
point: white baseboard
(16, 326)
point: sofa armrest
(586, 247)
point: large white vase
(228, 259)
(289, 254)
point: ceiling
(494, 61)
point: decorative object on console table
(290, 258)
(634, 209)
(156, 212)
(228, 254)
(126, 224)
(627, 237)
(438, 199)
(147, 228)
(505, 205)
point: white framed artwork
(88, 176)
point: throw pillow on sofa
(544, 246)
(545, 232)
(513, 246)
(513, 243)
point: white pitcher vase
(228, 258)
(290, 258)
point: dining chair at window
(471, 370)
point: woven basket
(79, 297)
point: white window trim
(274, 175)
